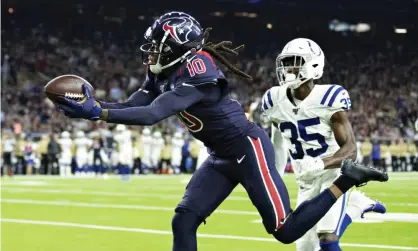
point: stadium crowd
(382, 82)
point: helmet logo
(179, 31)
(172, 30)
(316, 51)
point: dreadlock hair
(219, 50)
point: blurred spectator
(19, 152)
(413, 155)
(376, 155)
(54, 149)
(43, 152)
(366, 151)
(394, 152)
(7, 146)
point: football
(66, 86)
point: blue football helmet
(170, 40)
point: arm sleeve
(162, 107)
(139, 98)
(339, 101)
(269, 102)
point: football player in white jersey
(82, 144)
(177, 143)
(156, 148)
(123, 137)
(311, 122)
(147, 141)
(66, 144)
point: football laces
(75, 96)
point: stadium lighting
(401, 30)
(362, 27)
(218, 14)
(11, 10)
(269, 26)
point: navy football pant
(253, 168)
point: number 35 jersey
(306, 127)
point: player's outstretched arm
(162, 107)
(344, 135)
(144, 96)
(139, 98)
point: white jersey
(82, 148)
(124, 139)
(147, 141)
(177, 144)
(8, 145)
(156, 148)
(66, 150)
(306, 128)
(125, 147)
(203, 154)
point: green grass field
(93, 214)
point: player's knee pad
(185, 222)
(328, 237)
(329, 242)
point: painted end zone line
(163, 232)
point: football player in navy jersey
(184, 80)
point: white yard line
(177, 196)
(114, 206)
(118, 206)
(164, 196)
(164, 232)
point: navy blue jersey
(197, 93)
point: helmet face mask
(156, 55)
(291, 70)
(300, 61)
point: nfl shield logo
(295, 111)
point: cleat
(362, 174)
(359, 204)
(377, 208)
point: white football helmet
(79, 134)
(120, 128)
(146, 132)
(157, 134)
(301, 60)
(65, 135)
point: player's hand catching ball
(88, 108)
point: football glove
(86, 109)
(308, 167)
